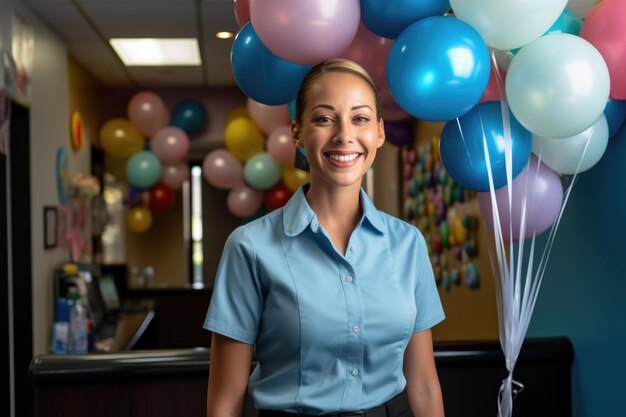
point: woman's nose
(345, 133)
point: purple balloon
(399, 132)
(306, 32)
(543, 191)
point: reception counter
(173, 382)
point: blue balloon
(463, 154)
(291, 106)
(438, 68)
(388, 18)
(260, 74)
(190, 116)
(615, 112)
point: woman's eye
(362, 119)
(323, 119)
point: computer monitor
(109, 295)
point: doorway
(15, 268)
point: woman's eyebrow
(329, 107)
(325, 106)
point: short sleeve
(237, 300)
(429, 309)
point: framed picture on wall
(49, 227)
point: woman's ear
(295, 135)
(381, 133)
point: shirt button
(356, 329)
(352, 248)
(355, 372)
(348, 279)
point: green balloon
(261, 171)
(143, 169)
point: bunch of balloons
(257, 165)
(153, 144)
(508, 78)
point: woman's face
(339, 130)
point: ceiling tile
(99, 62)
(64, 19)
(136, 20)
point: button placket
(354, 318)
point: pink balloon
(267, 118)
(147, 112)
(175, 175)
(370, 51)
(242, 12)
(170, 145)
(390, 110)
(604, 28)
(492, 92)
(244, 201)
(280, 147)
(543, 191)
(222, 170)
(306, 32)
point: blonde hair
(333, 65)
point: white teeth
(343, 158)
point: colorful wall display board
(433, 202)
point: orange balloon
(139, 219)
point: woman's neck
(337, 209)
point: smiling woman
(336, 297)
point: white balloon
(564, 155)
(509, 24)
(581, 7)
(558, 85)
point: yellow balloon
(139, 219)
(237, 112)
(120, 138)
(460, 231)
(294, 177)
(243, 138)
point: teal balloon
(261, 171)
(291, 107)
(190, 116)
(615, 112)
(143, 169)
(568, 22)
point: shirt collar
(297, 214)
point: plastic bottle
(61, 327)
(78, 324)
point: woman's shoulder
(396, 225)
(256, 230)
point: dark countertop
(106, 366)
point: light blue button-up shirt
(330, 330)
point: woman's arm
(422, 381)
(228, 376)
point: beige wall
(49, 129)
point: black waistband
(392, 408)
